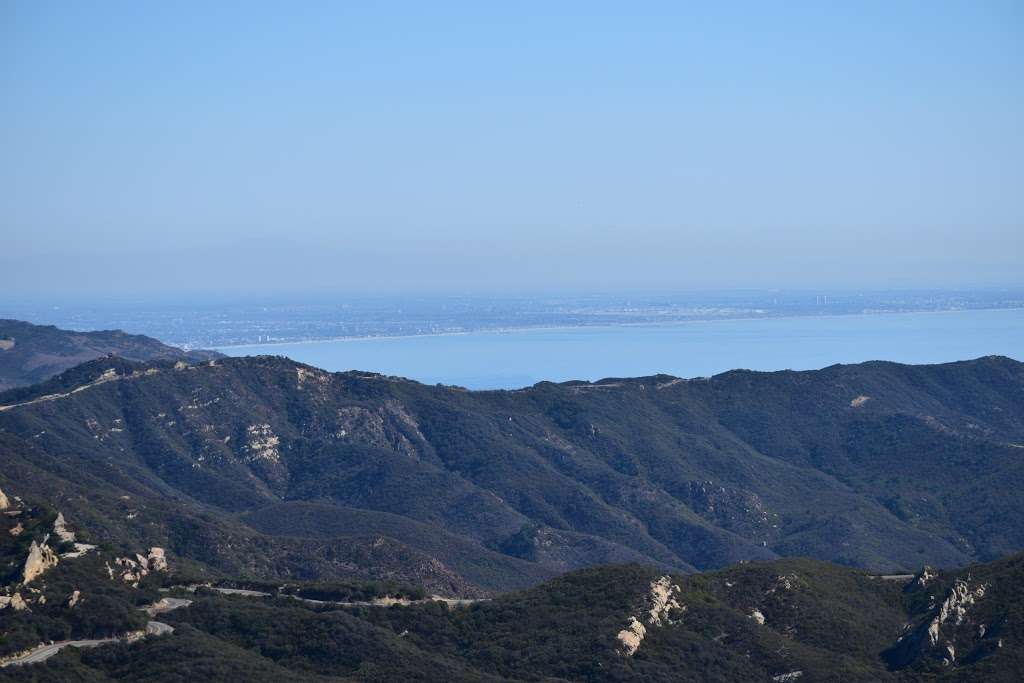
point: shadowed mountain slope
(266, 467)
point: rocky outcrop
(631, 636)
(40, 558)
(157, 560)
(954, 609)
(76, 596)
(133, 569)
(663, 602)
(925, 576)
(947, 628)
(60, 529)
(4, 501)
(263, 444)
(15, 602)
(130, 570)
(314, 376)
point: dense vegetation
(268, 475)
(828, 622)
(266, 469)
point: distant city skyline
(263, 149)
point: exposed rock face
(632, 636)
(926, 575)
(859, 401)
(262, 444)
(157, 560)
(757, 616)
(80, 549)
(40, 558)
(4, 502)
(662, 598)
(947, 628)
(73, 600)
(15, 602)
(954, 608)
(61, 531)
(389, 427)
(134, 569)
(312, 375)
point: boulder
(40, 558)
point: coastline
(595, 326)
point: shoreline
(604, 325)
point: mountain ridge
(685, 474)
(31, 353)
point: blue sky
(266, 147)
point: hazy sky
(481, 146)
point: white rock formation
(15, 602)
(757, 616)
(133, 569)
(663, 599)
(859, 401)
(4, 502)
(80, 549)
(40, 558)
(262, 444)
(954, 607)
(632, 636)
(305, 375)
(926, 575)
(73, 600)
(157, 560)
(61, 530)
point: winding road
(153, 628)
(376, 602)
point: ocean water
(506, 360)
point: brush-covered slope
(781, 621)
(265, 467)
(32, 353)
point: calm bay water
(489, 360)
